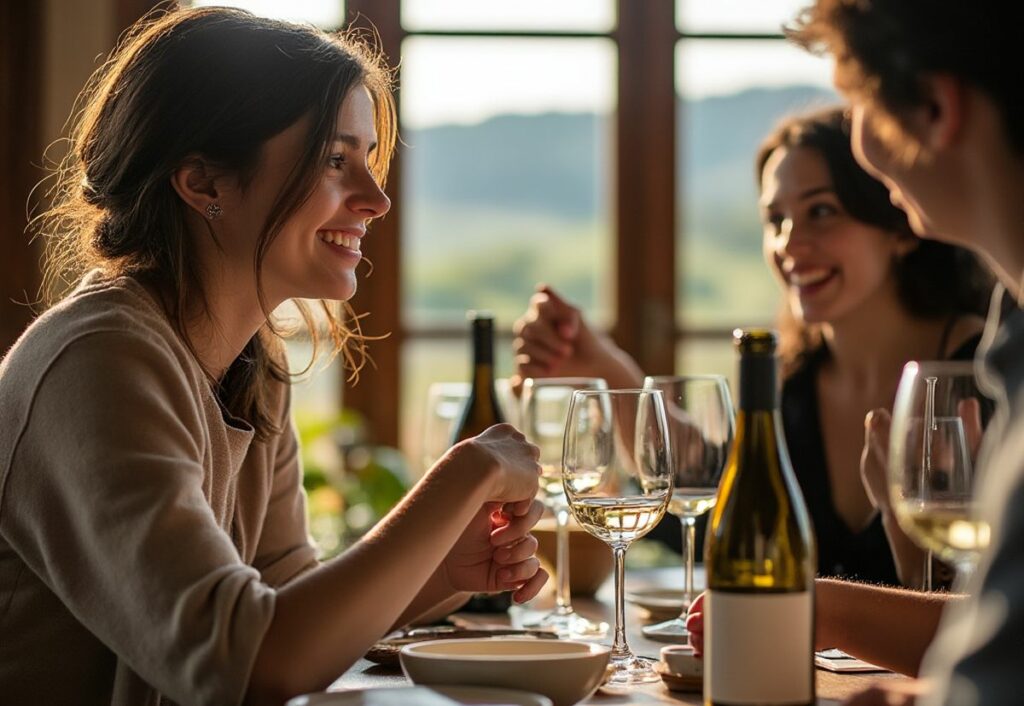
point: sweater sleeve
(104, 501)
(284, 550)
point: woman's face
(315, 253)
(829, 264)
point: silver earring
(214, 211)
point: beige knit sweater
(142, 529)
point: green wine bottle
(482, 411)
(760, 555)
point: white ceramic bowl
(566, 671)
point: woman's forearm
(326, 620)
(434, 601)
(890, 627)
(620, 370)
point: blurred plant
(350, 483)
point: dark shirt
(977, 656)
(842, 552)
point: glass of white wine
(617, 473)
(545, 407)
(700, 422)
(937, 425)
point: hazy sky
(462, 80)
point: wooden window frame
(645, 206)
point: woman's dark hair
(216, 83)
(883, 47)
(934, 280)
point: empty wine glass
(445, 402)
(545, 408)
(617, 473)
(700, 424)
(937, 425)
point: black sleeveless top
(864, 555)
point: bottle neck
(758, 388)
(483, 345)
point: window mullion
(645, 189)
(378, 393)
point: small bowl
(566, 671)
(590, 559)
(680, 669)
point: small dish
(660, 603)
(421, 695)
(565, 671)
(678, 682)
(681, 660)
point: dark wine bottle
(482, 411)
(760, 555)
(482, 408)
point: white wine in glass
(700, 424)
(937, 423)
(617, 473)
(545, 407)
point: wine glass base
(629, 670)
(570, 625)
(668, 631)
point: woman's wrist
(471, 468)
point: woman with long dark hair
(153, 540)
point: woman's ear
(197, 186)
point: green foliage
(351, 485)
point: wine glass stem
(563, 599)
(620, 650)
(928, 583)
(689, 540)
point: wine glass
(617, 473)
(937, 425)
(545, 407)
(700, 425)
(445, 402)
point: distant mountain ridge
(555, 163)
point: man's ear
(940, 120)
(195, 183)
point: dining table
(831, 687)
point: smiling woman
(862, 296)
(221, 164)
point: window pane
(505, 175)
(427, 362)
(708, 357)
(736, 15)
(327, 14)
(732, 93)
(567, 15)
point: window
(605, 147)
(731, 92)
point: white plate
(659, 602)
(467, 695)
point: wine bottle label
(758, 648)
